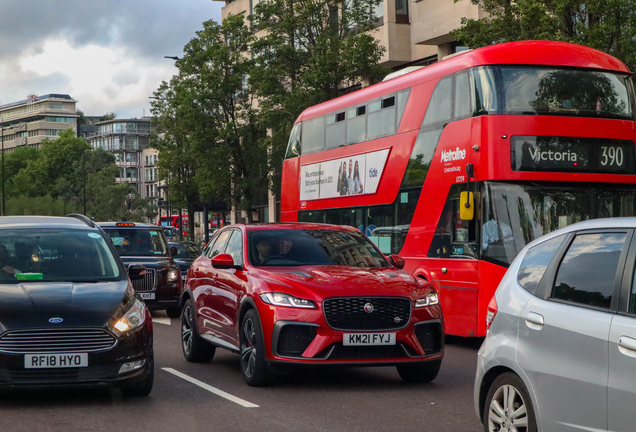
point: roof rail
(83, 218)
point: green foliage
(51, 181)
(608, 26)
(109, 116)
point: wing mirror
(396, 261)
(136, 271)
(225, 261)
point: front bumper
(103, 366)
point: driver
(264, 248)
(4, 261)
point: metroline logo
(453, 155)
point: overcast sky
(106, 54)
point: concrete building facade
(29, 122)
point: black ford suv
(145, 244)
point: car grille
(57, 375)
(341, 352)
(430, 337)
(59, 340)
(293, 340)
(347, 313)
(147, 283)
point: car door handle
(627, 346)
(534, 321)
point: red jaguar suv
(309, 294)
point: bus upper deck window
(439, 107)
(485, 90)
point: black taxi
(145, 244)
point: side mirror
(396, 261)
(225, 261)
(174, 250)
(466, 206)
(136, 271)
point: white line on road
(161, 320)
(211, 389)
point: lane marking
(211, 389)
(161, 320)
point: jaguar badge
(368, 308)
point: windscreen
(516, 214)
(295, 247)
(52, 255)
(537, 90)
(187, 250)
(138, 241)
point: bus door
(453, 265)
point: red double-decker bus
(536, 135)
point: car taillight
(492, 311)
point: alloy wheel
(248, 348)
(186, 330)
(507, 411)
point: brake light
(492, 312)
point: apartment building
(414, 32)
(30, 121)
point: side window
(219, 244)
(336, 130)
(356, 124)
(439, 107)
(235, 247)
(462, 96)
(535, 263)
(313, 135)
(381, 117)
(293, 146)
(588, 270)
(455, 238)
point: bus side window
(462, 107)
(313, 135)
(439, 107)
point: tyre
(195, 349)
(508, 406)
(145, 387)
(174, 312)
(420, 372)
(253, 364)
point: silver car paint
(502, 343)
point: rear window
(138, 241)
(297, 247)
(54, 255)
(536, 262)
(187, 250)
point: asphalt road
(214, 397)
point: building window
(402, 11)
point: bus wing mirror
(466, 206)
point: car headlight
(281, 299)
(132, 319)
(173, 275)
(430, 300)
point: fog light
(132, 366)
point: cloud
(107, 54)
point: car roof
(43, 222)
(593, 224)
(137, 225)
(295, 226)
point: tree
(609, 26)
(109, 116)
(212, 145)
(310, 52)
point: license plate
(43, 361)
(353, 339)
(147, 296)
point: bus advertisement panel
(542, 133)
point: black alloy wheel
(253, 365)
(195, 349)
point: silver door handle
(534, 321)
(627, 346)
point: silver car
(560, 353)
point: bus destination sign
(571, 154)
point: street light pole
(4, 213)
(84, 177)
